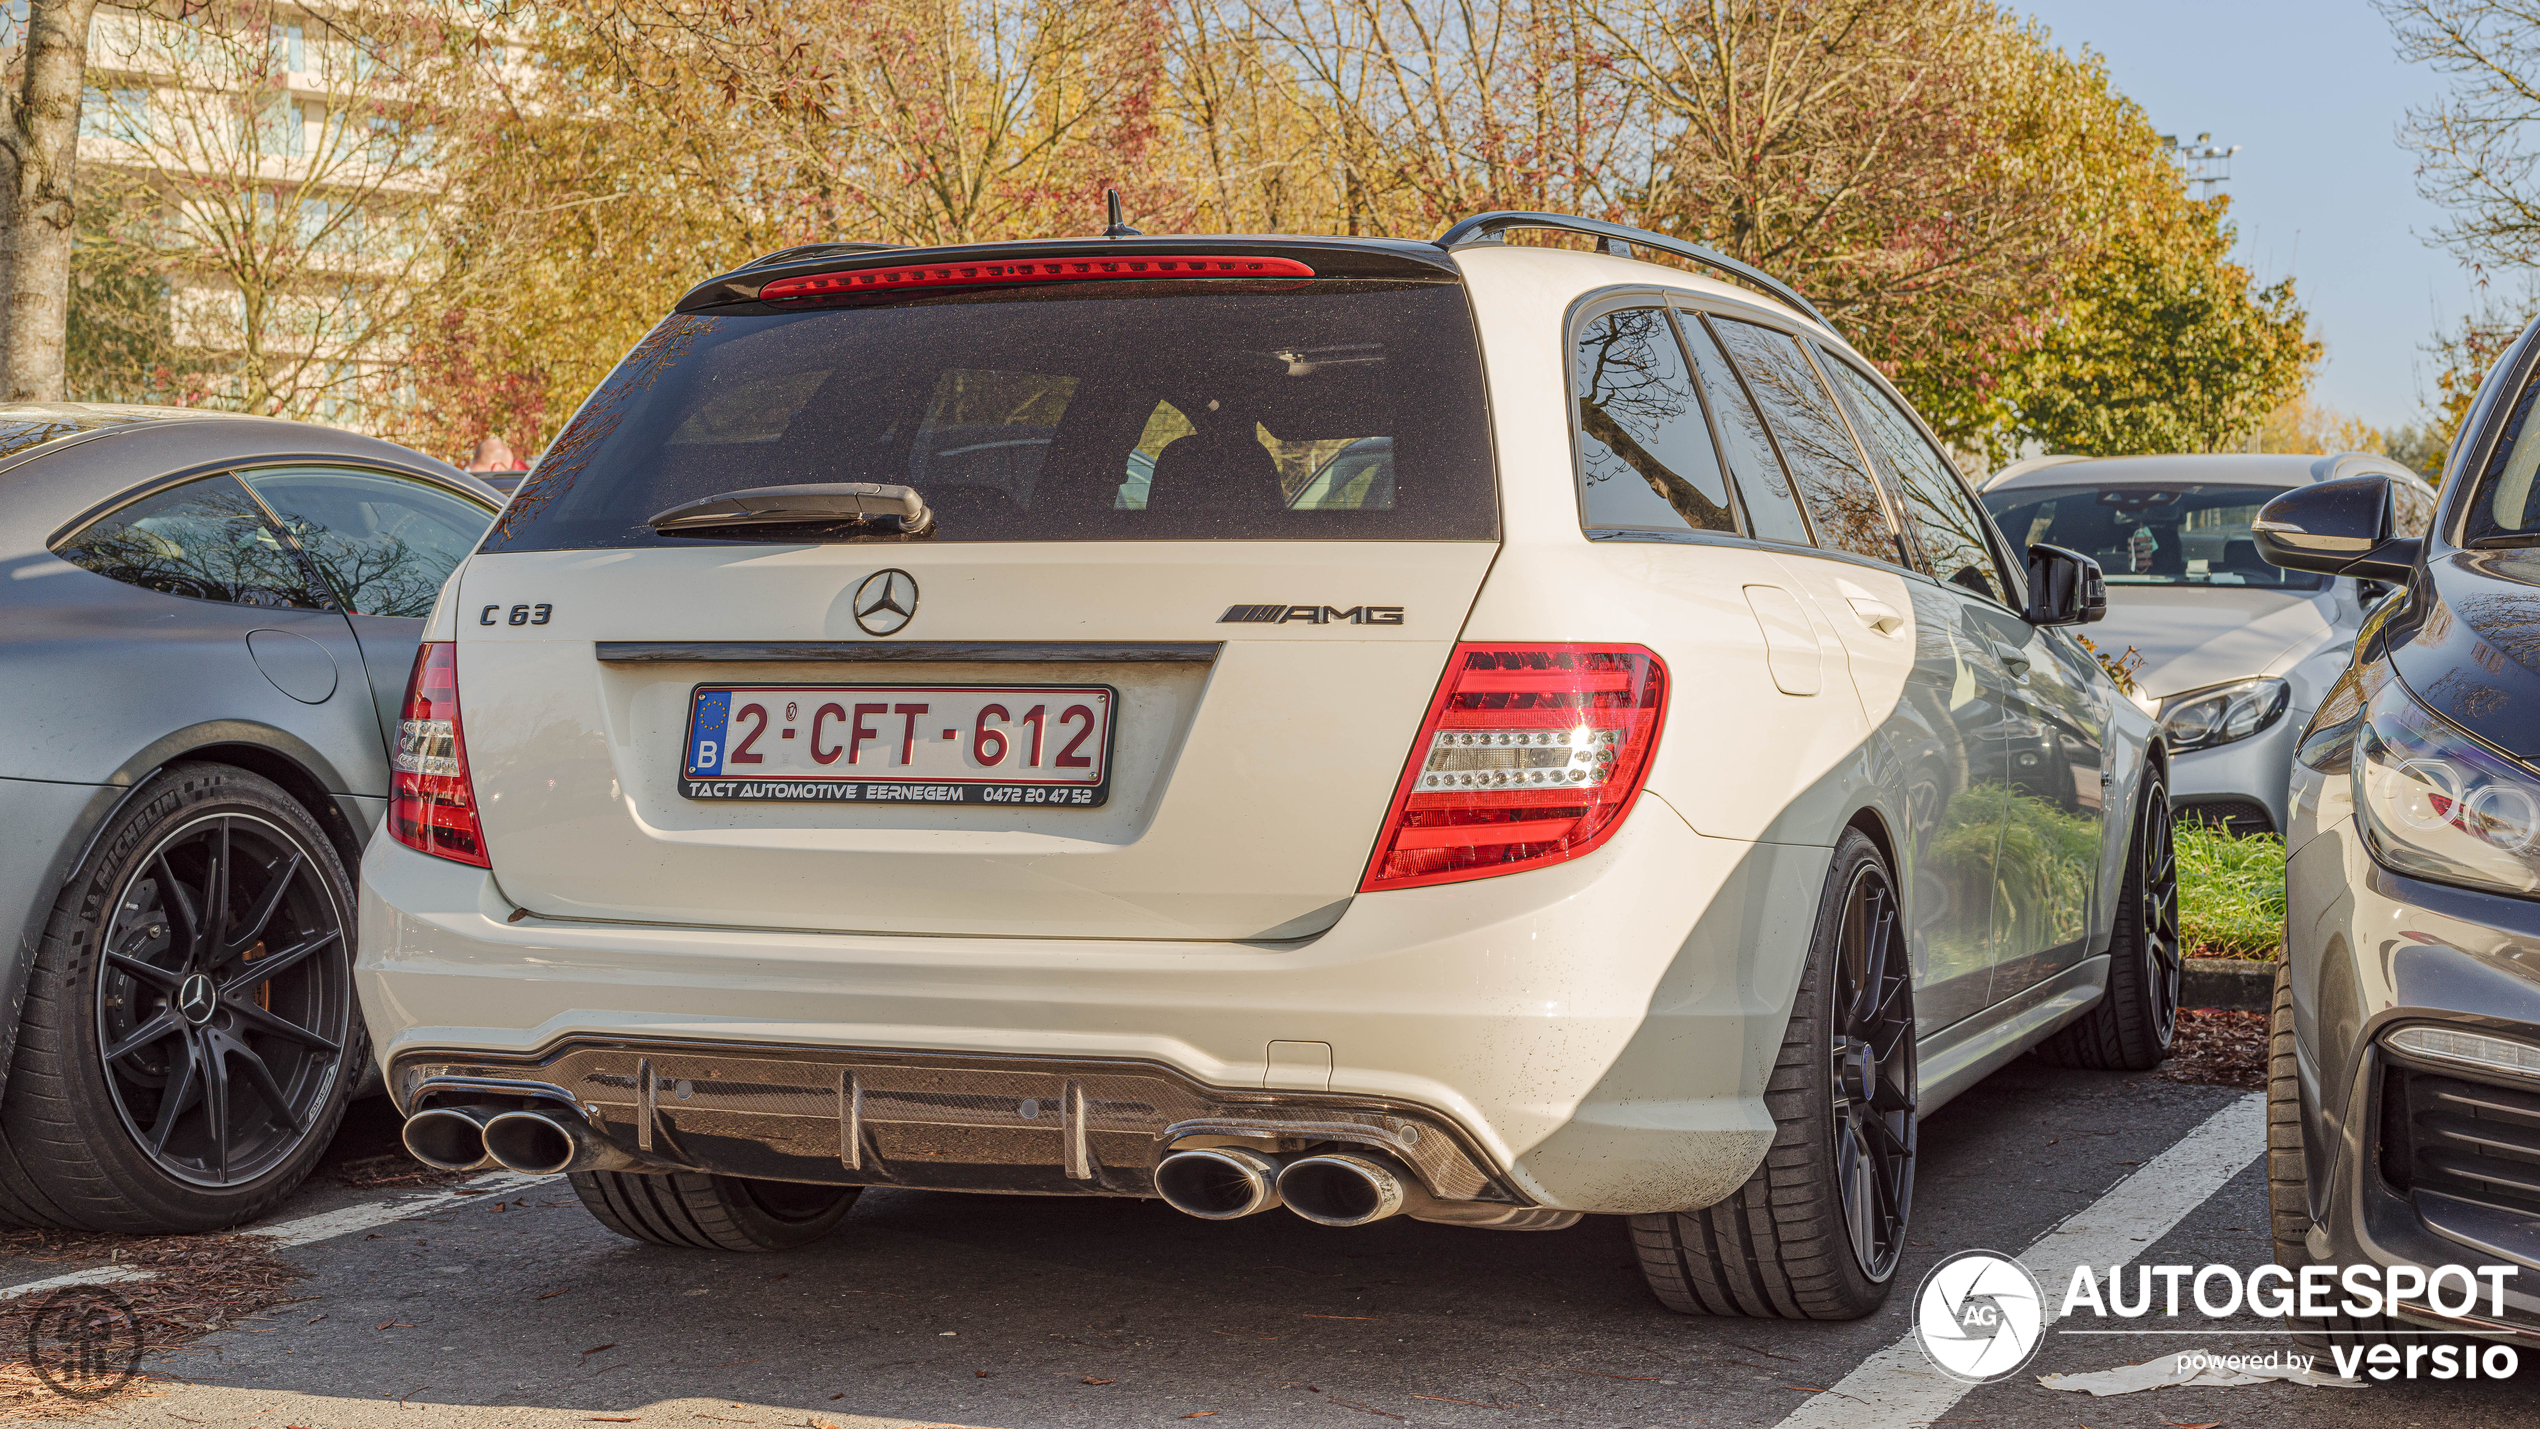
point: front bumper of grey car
(2414, 1002)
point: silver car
(2235, 652)
(206, 625)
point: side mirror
(2346, 527)
(2064, 588)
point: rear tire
(1817, 1231)
(2289, 1180)
(2131, 1026)
(190, 1038)
(700, 1212)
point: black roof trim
(1619, 240)
(1378, 259)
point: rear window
(2194, 534)
(1118, 415)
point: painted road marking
(307, 1230)
(1898, 1387)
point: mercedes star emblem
(886, 602)
(195, 999)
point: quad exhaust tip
(1344, 1188)
(449, 1138)
(1218, 1183)
(540, 1142)
(534, 1143)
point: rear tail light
(1531, 754)
(1030, 270)
(431, 804)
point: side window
(1770, 510)
(1842, 499)
(207, 540)
(1360, 478)
(1946, 522)
(384, 543)
(1646, 462)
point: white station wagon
(1479, 732)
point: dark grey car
(206, 625)
(2405, 1118)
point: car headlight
(2201, 719)
(2436, 804)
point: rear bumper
(1595, 1036)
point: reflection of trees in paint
(1638, 408)
(2037, 847)
(1842, 500)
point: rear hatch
(1153, 673)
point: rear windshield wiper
(810, 512)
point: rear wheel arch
(259, 749)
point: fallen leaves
(190, 1285)
(1312, 1316)
(1089, 1379)
(595, 1349)
(552, 1294)
(1199, 1414)
(392, 1325)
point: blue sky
(2314, 93)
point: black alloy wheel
(2130, 1027)
(225, 1002)
(1818, 1229)
(2165, 964)
(1872, 1082)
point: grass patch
(2231, 892)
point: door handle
(1878, 615)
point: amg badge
(1311, 614)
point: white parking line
(307, 1230)
(1898, 1387)
(326, 1225)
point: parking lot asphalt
(1023, 1312)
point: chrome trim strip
(1080, 1156)
(850, 1121)
(963, 652)
(647, 1090)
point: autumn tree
(39, 153)
(2165, 345)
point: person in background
(494, 463)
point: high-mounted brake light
(431, 803)
(1531, 754)
(1029, 270)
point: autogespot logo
(1979, 1316)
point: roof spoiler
(1619, 240)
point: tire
(2289, 1180)
(702, 1212)
(1817, 1231)
(2131, 1027)
(154, 1088)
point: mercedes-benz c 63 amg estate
(1481, 732)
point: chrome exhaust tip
(449, 1138)
(1218, 1183)
(1346, 1188)
(533, 1143)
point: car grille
(2471, 1139)
(2237, 817)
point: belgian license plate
(901, 744)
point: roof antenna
(1119, 226)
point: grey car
(206, 626)
(2235, 652)
(2404, 1091)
